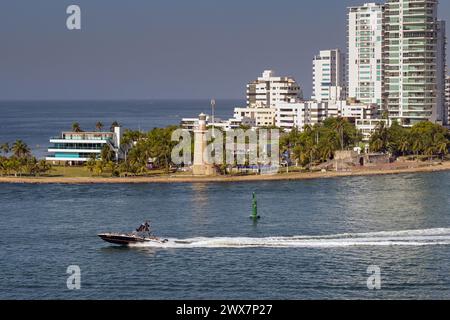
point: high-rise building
(441, 64)
(414, 60)
(329, 76)
(447, 95)
(268, 90)
(365, 50)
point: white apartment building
(329, 76)
(260, 117)
(414, 62)
(290, 115)
(352, 110)
(365, 53)
(270, 89)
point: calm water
(43, 229)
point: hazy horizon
(163, 49)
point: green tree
(99, 126)
(90, 164)
(107, 154)
(76, 127)
(5, 148)
(20, 149)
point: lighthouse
(201, 167)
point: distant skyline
(164, 49)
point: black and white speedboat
(142, 234)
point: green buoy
(254, 215)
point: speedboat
(141, 235)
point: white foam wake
(424, 237)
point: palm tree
(107, 154)
(404, 145)
(43, 167)
(76, 127)
(20, 149)
(5, 148)
(339, 127)
(99, 126)
(90, 164)
(442, 147)
(417, 147)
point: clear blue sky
(156, 49)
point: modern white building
(414, 62)
(78, 147)
(290, 115)
(329, 76)
(352, 110)
(270, 89)
(365, 53)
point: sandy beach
(370, 171)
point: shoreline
(223, 179)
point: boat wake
(424, 237)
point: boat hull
(124, 240)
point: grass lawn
(82, 172)
(71, 172)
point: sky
(163, 49)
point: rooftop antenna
(213, 106)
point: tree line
(423, 139)
(143, 151)
(16, 159)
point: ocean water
(316, 238)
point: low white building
(190, 124)
(261, 117)
(352, 110)
(290, 115)
(368, 126)
(297, 114)
(78, 147)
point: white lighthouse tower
(201, 167)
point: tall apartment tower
(414, 62)
(365, 53)
(447, 95)
(329, 76)
(441, 72)
(268, 90)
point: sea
(378, 237)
